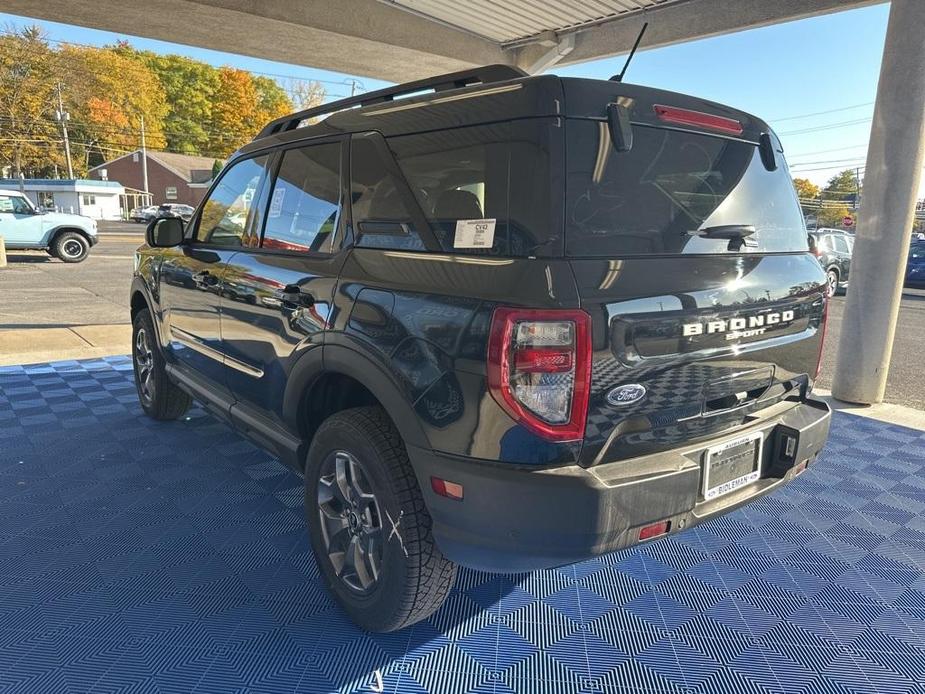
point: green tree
(806, 189)
(216, 168)
(833, 216)
(842, 186)
(272, 100)
(189, 88)
(30, 142)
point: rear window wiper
(736, 233)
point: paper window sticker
(474, 233)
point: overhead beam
(687, 20)
(356, 37)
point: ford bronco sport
(68, 237)
(509, 323)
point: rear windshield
(671, 186)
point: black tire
(414, 578)
(160, 398)
(831, 280)
(70, 247)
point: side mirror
(165, 232)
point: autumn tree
(235, 112)
(272, 100)
(108, 95)
(29, 135)
(806, 189)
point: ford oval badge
(626, 395)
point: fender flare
(348, 361)
(54, 231)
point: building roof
(79, 184)
(191, 168)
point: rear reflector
(647, 532)
(698, 119)
(450, 490)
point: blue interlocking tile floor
(149, 557)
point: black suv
(510, 323)
(833, 248)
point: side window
(230, 207)
(14, 204)
(305, 201)
(841, 245)
(381, 217)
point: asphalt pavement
(37, 291)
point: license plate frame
(713, 455)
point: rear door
(277, 294)
(843, 254)
(691, 258)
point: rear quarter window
(673, 184)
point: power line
(821, 113)
(830, 126)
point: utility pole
(63, 117)
(144, 158)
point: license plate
(732, 465)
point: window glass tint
(498, 172)
(381, 217)
(231, 204)
(672, 185)
(841, 244)
(305, 202)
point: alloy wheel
(144, 366)
(351, 522)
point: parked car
(509, 324)
(915, 266)
(22, 226)
(143, 214)
(167, 209)
(833, 248)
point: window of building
(89, 199)
(305, 200)
(47, 200)
(170, 193)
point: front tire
(71, 247)
(369, 527)
(160, 398)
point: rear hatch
(690, 255)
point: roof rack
(453, 80)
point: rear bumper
(519, 519)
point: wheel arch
(322, 384)
(57, 231)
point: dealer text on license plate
(731, 465)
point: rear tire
(362, 500)
(160, 397)
(70, 247)
(831, 280)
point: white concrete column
(895, 158)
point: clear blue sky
(781, 73)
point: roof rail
(453, 80)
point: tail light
(824, 328)
(684, 116)
(539, 369)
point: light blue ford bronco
(65, 236)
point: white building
(95, 199)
